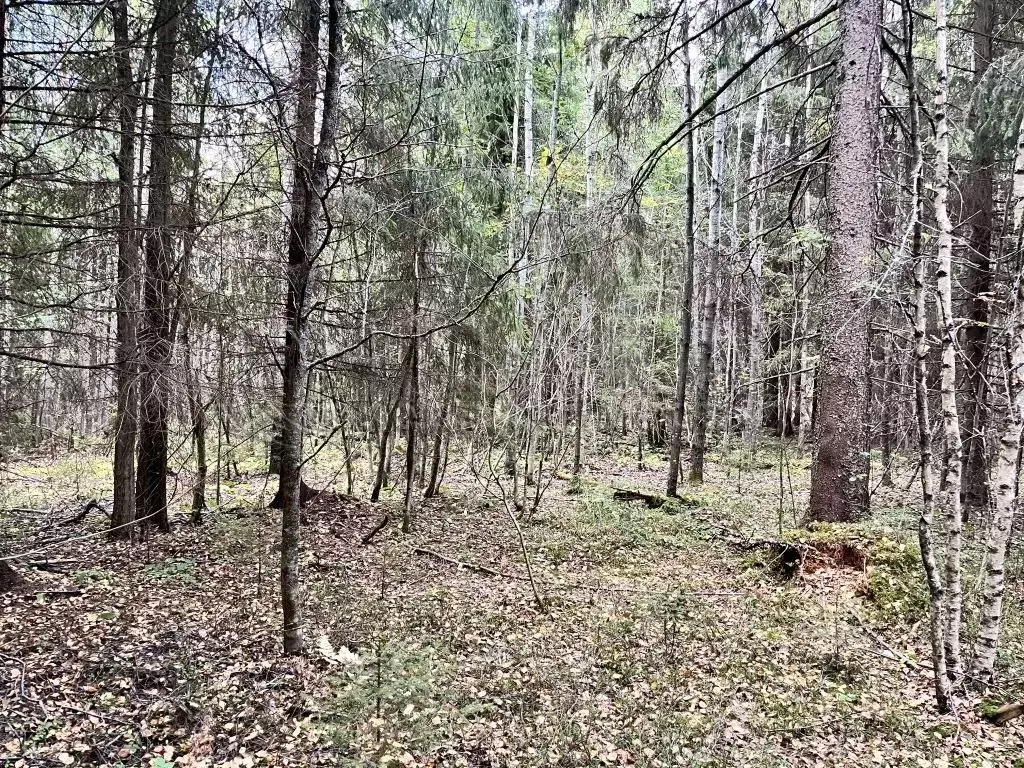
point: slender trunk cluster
(925, 526)
(1007, 462)
(685, 312)
(711, 285)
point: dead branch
(467, 566)
(75, 519)
(376, 529)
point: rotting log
(652, 500)
(1005, 713)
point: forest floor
(659, 643)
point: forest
(511, 383)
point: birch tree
(948, 329)
(925, 524)
(1006, 465)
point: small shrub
(173, 568)
(896, 580)
(391, 701)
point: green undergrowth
(389, 702)
(600, 530)
(45, 483)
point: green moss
(896, 581)
(895, 576)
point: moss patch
(891, 560)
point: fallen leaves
(660, 648)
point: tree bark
(442, 418)
(388, 429)
(709, 303)
(413, 420)
(952, 461)
(155, 340)
(925, 525)
(1006, 466)
(309, 189)
(839, 476)
(127, 292)
(755, 391)
(978, 204)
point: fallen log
(790, 555)
(652, 500)
(50, 565)
(1005, 713)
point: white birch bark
(948, 329)
(1006, 462)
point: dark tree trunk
(309, 188)
(193, 391)
(155, 340)
(686, 298)
(839, 477)
(197, 413)
(413, 420)
(127, 293)
(384, 456)
(978, 205)
(446, 404)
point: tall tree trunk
(127, 293)
(155, 340)
(839, 477)
(413, 420)
(442, 419)
(978, 201)
(948, 328)
(709, 303)
(309, 187)
(590, 177)
(686, 278)
(1006, 466)
(925, 532)
(193, 391)
(755, 392)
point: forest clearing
(659, 643)
(511, 383)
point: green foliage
(172, 568)
(393, 700)
(896, 582)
